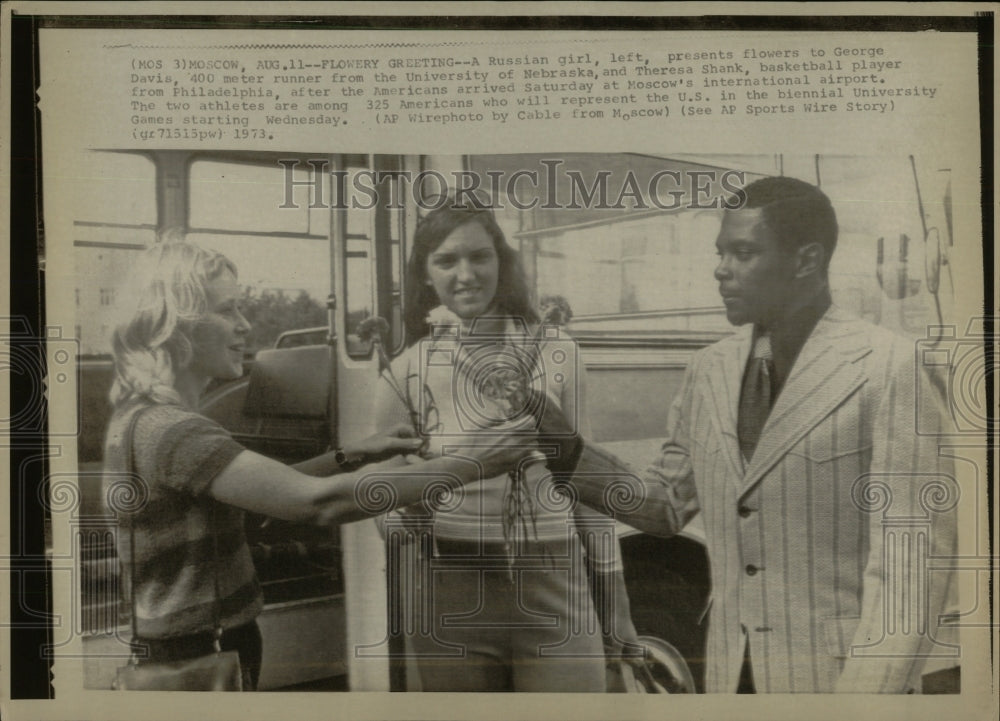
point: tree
(271, 313)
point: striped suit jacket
(818, 546)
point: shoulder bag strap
(217, 606)
(130, 469)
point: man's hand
(398, 439)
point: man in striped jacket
(799, 441)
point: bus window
(594, 236)
(878, 197)
(359, 289)
(282, 252)
(375, 227)
(632, 265)
(627, 240)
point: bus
(321, 240)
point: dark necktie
(755, 396)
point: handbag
(217, 671)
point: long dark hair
(512, 297)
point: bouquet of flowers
(554, 310)
(510, 390)
(503, 387)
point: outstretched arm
(261, 485)
(379, 446)
(659, 501)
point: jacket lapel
(824, 374)
(725, 378)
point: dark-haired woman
(508, 606)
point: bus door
(370, 223)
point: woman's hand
(392, 441)
(497, 450)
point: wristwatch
(341, 459)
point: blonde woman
(184, 540)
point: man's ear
(809, 259)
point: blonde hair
(165, 297)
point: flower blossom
(442, 316)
